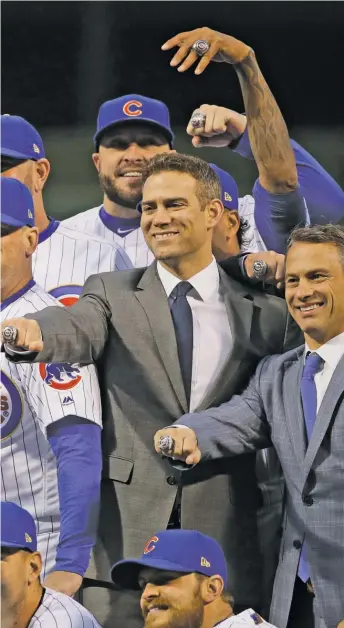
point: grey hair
(319, 234)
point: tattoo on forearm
(267, 130)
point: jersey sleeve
(61, 389)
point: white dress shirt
(331, 352)
(212, 337)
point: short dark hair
(8, 229)
(208, 183)
(243, 228)
(7, 163)
(319, 234)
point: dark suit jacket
(123, 323)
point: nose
(304, 290)
(161, 216)
(150, 592)
(134, 154)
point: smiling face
(175, 224)
(170, 600)
(315, 290)
(123, 154)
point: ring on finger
(200, 47)
(198, 120)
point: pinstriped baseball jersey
(57, 610)
(66, 257)
(134, 243)
(246, 619)
(32, 397)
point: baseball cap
(20, 139)
(17, 527)
(230, 192)
(184, 551)
(16, 203)
(133, 107)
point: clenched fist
(221, 126)
(28, 334)
(185, 445)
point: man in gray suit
(160, 354)
(296, 402)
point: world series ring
(200, 47)
(166, 444)
(9, 334)
(260, 268)
(198, 119)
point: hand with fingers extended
(22, 333)
(205, 45)
(184, 444)
(217, 126)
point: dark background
(61, 60)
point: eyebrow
(325, 271)
(167, 200)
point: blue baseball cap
(16, 203)
(20, 139)
(133, 107)
(17, 527)
(230, 192)
(184, 551)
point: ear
(96, 160)
(233, 221)
(42, 171)
(215, 211)
(31, 234)
(35, 567)
(211, 588)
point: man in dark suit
(178, 336)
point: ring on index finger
(9, 334)
(166, 445)
(200, 47)
(198, 120)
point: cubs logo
(149, 547)
(60, 376)
(11, 406)
(67, 295)
(133, 108)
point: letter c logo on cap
(133, 108)
(149, 547)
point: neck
(215, 615)
(29, 606)
(14, 284)
(119, 211)
(41, 218)
(316, 341)
(185, 268)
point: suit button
(171, 480)
(308, 501)
(297, 544)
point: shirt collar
(331, 352)
(206, 282)
(14, 297)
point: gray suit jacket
(270, 408)
(123, 323)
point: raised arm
(75, 334)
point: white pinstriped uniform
(57, 610)
(134, 243)
(32, 397)
(63, 261)
(246, 619)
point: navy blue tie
(312, 366)
(183, 325)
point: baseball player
(183, 578)
(28, 603)
(65, 257)
(132, 128)
(50, 418)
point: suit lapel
(152, 296)
(324, 417)
(240, 309)
(293, 405)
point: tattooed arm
(268, 133)
(267, 130)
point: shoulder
(70, 231)
(82, 216)
(272, 364)
(125, 280)
(57, 609)
(33, 300)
